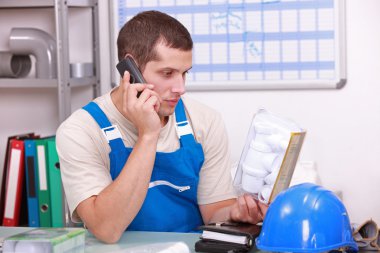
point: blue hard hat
(306, 218)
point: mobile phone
(135, 75)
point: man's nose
(179, 86)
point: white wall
(343, 125)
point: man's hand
(243, 209)
(142, 110)
(248, 209)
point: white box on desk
(46, 240)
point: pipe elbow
(38, 43)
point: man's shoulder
(202, 117)
(82, 118)
(78, 122)
(198, 108)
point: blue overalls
(171, 201)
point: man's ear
(134, 59)
(129, 55)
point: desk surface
(137, 242)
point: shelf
(44, 83)
(28, 83)
(81, 3)
(43, 3)
(26, 3)
(81, 82)
(63, 83)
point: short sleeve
(83, 160)
(215, 181)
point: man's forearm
(244, 209)
(110, 213)
(216, 212)
(223, 214)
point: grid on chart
(252, 39)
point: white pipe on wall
(38, 43)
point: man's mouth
(172, 102)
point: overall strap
(110, 132)
(183, 128)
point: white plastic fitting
(25, 41)
(252, 179)
(260, 156)
(265, 193)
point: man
(155, 162)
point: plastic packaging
(266, 149)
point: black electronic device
(135, 75)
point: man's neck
(164, 120)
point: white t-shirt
(83, 151)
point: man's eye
(167, 73)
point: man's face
(168, 75)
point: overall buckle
(183, 128)
(111, 133)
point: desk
(141, 242)
(136, 242)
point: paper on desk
(167, 247)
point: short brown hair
(143, 32)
